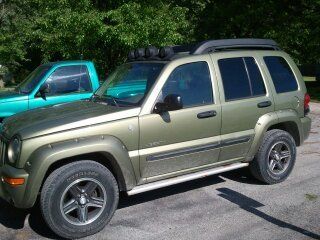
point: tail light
(306, 104)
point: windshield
(129, 84)
(33, 79)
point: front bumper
(13, 194)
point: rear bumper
(305, 128)
(13, 194)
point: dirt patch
(309, 143)
(312, 132)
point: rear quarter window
(281, 74)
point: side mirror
(171, 102)
(43, 90)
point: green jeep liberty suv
(200, 110)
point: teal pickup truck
(51, 83)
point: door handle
(207, 114)
(264, 104)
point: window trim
(190, 106)
(72, 93)
(249, 78)
(292, 71)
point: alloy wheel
(83, 201)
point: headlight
(14, 149)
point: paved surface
(227, 206)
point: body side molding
(201, 148)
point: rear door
(66, 84)
(245, 97)
(289, 93)
(178, 141)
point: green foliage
(37, 31)
(293, 24)
(3, 70)
(134, 25)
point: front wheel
(79, 199)
(275, 158)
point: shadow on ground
(242, 175)
(14, 218)
(126, 201)
(250, 205)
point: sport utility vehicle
(164, 117)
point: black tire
(55, 191)
(260, 167)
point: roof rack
(229, 44)
(171, 52)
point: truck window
(130, 83)
(241, 78)
(281, 74)
(69, 79)
(192, 82)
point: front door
(184, 139)
(65, 84)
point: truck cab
(49, 84)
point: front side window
(241, 78)
(281, 74)
(192, 82)
(129, 83)
(69, 79)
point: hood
(10, 96)
(57, 118)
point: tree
(293, 24)
(34, 32)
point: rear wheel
(79, 199)
(275, 158)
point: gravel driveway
(227, 206)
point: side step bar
(184, 178)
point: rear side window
(241, 78)
(281, 74)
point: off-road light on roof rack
(131, 56)
(171, 52)
(230, 44)
(151, 52)
(140, 53)
(166, 52)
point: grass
(309, 79)
(313, 89)
(311, 197)
(6, 89)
